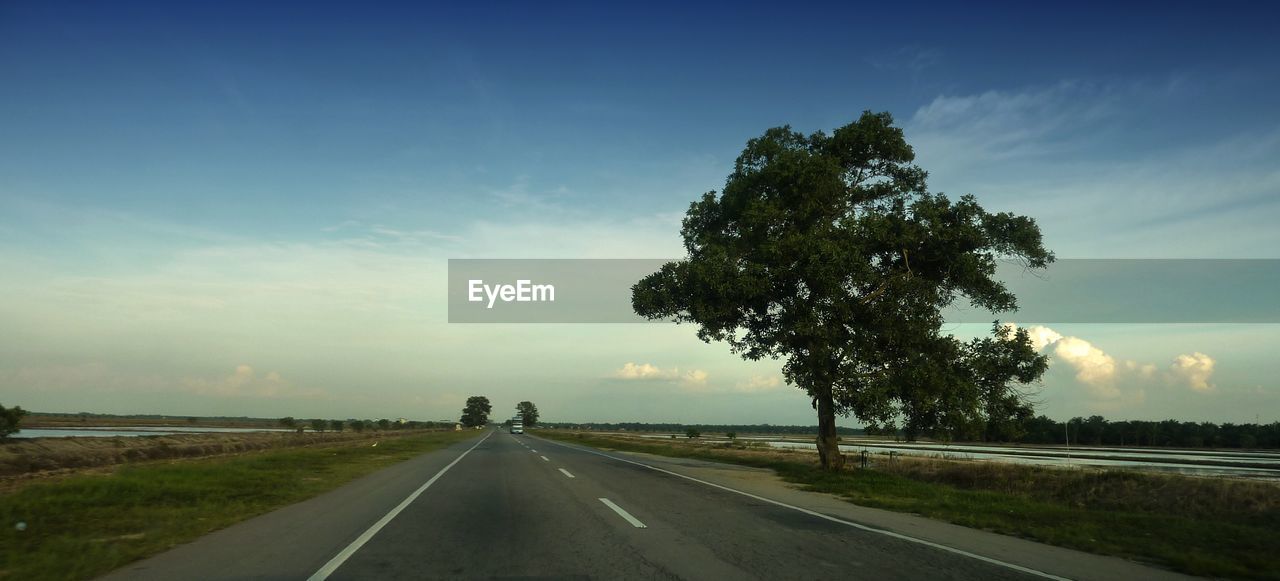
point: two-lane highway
(505, 512)
(517, 506)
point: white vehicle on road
(517, 427)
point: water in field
(1223, 466)
(1250, 464)
(111, 432)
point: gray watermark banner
(1069, 291)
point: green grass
(83, 526)
(1198, 526)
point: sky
(241, 209)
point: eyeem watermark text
(523, 291)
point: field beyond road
(1202, 526)
(22, 459)
(80, 526)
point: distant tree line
(356, 425)
(1024, 428)
(701, 428)
(1091, 431)
(1097, 431)
(85, 416)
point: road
(517, 506)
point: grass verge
(82, 526)
(1200, 526)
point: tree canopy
(829, 252)
(528, 413)
(10, 419)
(476, 412)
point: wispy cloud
(521, 196)
(912, 58)
(244, 382)
(760, 383)
(1001, 125)
(1100, 168)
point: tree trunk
(828, 444)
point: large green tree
(528, 413)
(829, 252)
(476, 412)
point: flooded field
(1238, 463)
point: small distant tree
(9, 420)
(732, 435)
(336, 425)
(357, 426)
(692, 433)
(319, 425)
(476, 412)
(384, 424)
(288, 422)
(527, 412)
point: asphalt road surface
(505, 506)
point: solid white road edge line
(566, 473)
(364, 537)
(635, 522)
(544, 459)
(855, 525)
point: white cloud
(695, 377)
(1093, 366)
(648, 372)
(696, 380)
(642, 371)
(1106, 379)
(1042, 336)
(1196, 369)
(760, 383)
(1143, 370)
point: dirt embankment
(36, 457)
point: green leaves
(10, 419)
(476, 412)
(528, 413)
(828, 251)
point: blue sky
(233, 208)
